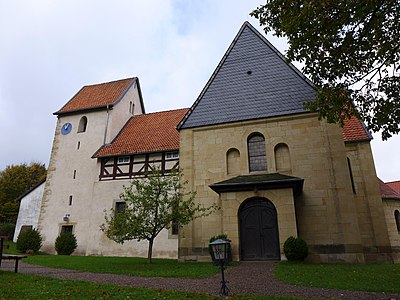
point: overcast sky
(50, 49)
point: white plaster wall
(65, 159)
(90, 197)
(29, 210)
(120, 112)
(105, 194)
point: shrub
(29, 240)
(7, 229)
(225, 238)
(65, 243)
(295, 249)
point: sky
(49, 49)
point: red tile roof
(146, 133)
(387, 192)
(353, 130)
(395, 185)
(97, 95)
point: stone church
(247, 144)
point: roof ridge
(280, 55)
(212, 77)
(111, 93)
(162, 111)
(108, 82)
(224, 58)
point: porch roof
(260, 182)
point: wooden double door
(259, 235)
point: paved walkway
(244, 278)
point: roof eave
(133, 153)
(357, 141)
(296, 184)
(78, 111)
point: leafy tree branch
(152, 204)
(350, 50)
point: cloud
(51, 48)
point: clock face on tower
(66, 128)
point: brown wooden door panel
(259, 230)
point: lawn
(12, 249)
(24, 286)
(369, 277)
(132, 266)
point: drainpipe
(107, 118)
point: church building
(247, 144)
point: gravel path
(244, 278)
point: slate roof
(99, 96)
(354, 130)
(252, 81)
(395, 185)
(146, 133)
(387, 192)
(260, 181)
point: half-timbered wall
(129, 166)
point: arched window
(233, 161)
(257, 154)
(82, 124)
(397, 218)
(282, 158)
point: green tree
(152, 204)
(350, 50)
(15, 180)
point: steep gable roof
(252, 81)
(99, 96)
(387, 192)
(146, 133)
(354, 131)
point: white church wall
(121, 112)
(29, 210)
(105, 195)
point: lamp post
(219, 255)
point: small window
(257, 153)
(79, 145)
(119, 207)
(351, 176)
(172, 155)
(70, 200)
(397, 218)
(67, 228)
(131, 107)
(82, 124)
(74, 174)
(175, 227)
(123, 160)
(26, 228)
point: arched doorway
(259, 237)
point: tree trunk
(150, 251)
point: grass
(24, 286)
(369, 277)
(132, 266)
(12, 249)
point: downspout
(107, 118)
